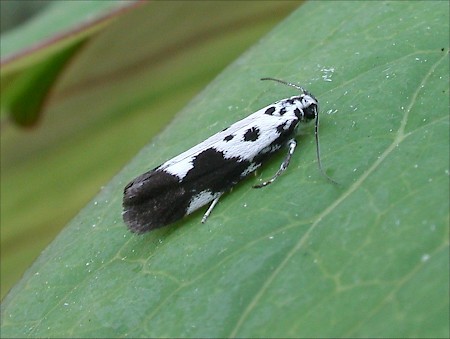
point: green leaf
(302, 257)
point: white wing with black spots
(203, 173)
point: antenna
(316, 132)
(316, 123)
(286, 83)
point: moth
(202, 174)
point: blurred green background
(13, 13)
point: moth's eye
(310, 111)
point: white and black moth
(203, 173)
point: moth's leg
(210, 208)
(291, 144)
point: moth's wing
(158, 198)
(167, 193)
(215, 139)
(236, 146)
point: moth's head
(307, 109)
(309, 106)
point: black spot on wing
(228, 137)
(281, 127)
(270, 110)
(282, 110)
(213, 172)
(298, 113)
(251, 134)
